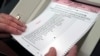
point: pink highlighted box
(79, 5)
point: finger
(52, 52)
(73, 51)
(11, 18)
(9, 29)
(10, 23)
(16, 21)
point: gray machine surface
(91, 2)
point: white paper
(58, 26)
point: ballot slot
(89, 2)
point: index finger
(13, 19)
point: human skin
(72, 52)
(10, 25)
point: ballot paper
(59, 26)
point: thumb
(73, 51)
(52, 52)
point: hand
(52, 52)
(72, 52)
(10, 25)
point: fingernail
(23, 24)
(52, 49)
(23, 29)
(19, 32)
